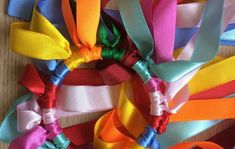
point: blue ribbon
(21, 9)
(59, 74)
(148, 138)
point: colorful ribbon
(88, 40)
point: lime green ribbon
(206, 46)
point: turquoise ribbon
(47, 145)
(61, 141)
(206, 46)
(8, 128)
(136, 26)
(180, 131)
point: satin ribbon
(221, 68)
(178, 126)
(206, 145)
(77, 90)
(185, 30)
(146, 48)
(174, 87)
(216, 92)
(100, 97)
(8, 128)
(129, 118)
(164, 21)
(212, 15)
(164, 139)
(28, 141)
(75, 59)
(47, 34)
(78, 31)
(186, 23)
(201, 48)
(21, 9)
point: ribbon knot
(83, 55)
(147, 138)
(112, 53)
(130, 58)
(160, 122)
(158, 103)
(53, 129)
(164, 122)
(141, 67)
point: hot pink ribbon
(36, 137)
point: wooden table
(12, 65)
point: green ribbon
(108, 30)
(110, 51)
(206, 46)
(8, 128)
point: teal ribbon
(47, 145)
(8, 128)
(206, 46)
(180, 131)
(61, 141)
(136, 26)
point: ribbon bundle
(133, 45)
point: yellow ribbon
(38, 39)
(213, 75)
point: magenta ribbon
(164, 22)
(36, 137)
(161, 19)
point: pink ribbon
(36, 137)
(164, 20)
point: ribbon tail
(32, 139)
(35, 84)
(8, 129)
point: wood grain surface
(12, 65)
